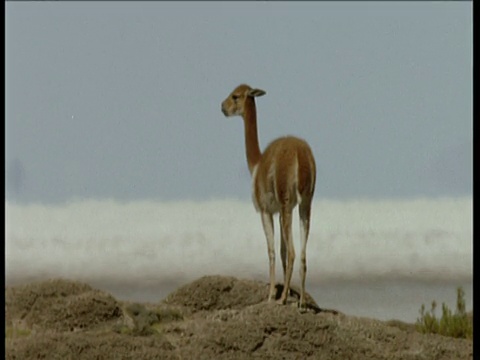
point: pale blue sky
(122, 99)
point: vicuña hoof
(302, 308)
(281, 301)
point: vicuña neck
(251, 135)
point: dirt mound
(213, 317)
(59, 305)
(270, 331)
(224, 292)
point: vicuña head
(235, 103)
(283, 176)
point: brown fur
(283, 176)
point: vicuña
(283, 176)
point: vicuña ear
(256, 92)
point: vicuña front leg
(267, 221)
(286, 228)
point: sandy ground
(213, 317)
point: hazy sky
(122, 99)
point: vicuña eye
(235, 97)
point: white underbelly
(267, 200)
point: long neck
(251, 135)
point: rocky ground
(213, 317)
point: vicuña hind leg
(286, 228)
(267, 221)
(304, 212)
(283, 252)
